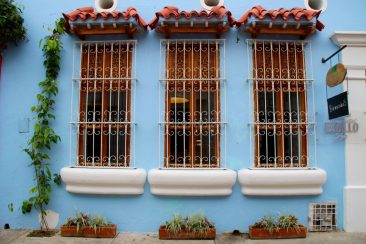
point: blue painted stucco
(22, 70)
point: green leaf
(26, 207)
(57, 179)
(11, 207)
(33, 190)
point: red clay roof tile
(297, 13)
(171, 11)
(89, 13)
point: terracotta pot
(257, 233)
(100, 232)
(164, 234)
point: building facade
(218, 107)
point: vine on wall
(44, 136)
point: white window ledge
(191, 182)
(104, 181)
(281, 182)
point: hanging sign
(338, 106)
(336, 75)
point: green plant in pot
(195, 226)
(275, 227)
(85, 225)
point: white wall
(354, 57)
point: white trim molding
(104, 181)
(191, 182)
(355, 146)
(281, 182)
(350, 38)
(354, 208)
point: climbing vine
(44, 136)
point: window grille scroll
(102, 104)
(192, 104)
(281, 104)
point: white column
(354, 57)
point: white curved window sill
(191, 182)
(104, 181)
(281, 182)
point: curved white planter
(281, 182)
(104, 181)
(191, 182)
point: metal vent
(322, 216)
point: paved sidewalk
(20, 236)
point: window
(282, 123)
(105, 89)
(192, 85)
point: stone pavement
(20, 236)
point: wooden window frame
(278, 86)
(191, 126)
(108, 85)
(198, 84)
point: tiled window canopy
(170, 20)
(86, 21)
(297, 21)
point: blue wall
(22, 70)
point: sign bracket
(331, 56)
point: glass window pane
(205, 107)
(179, 107)
(116, 144)
(267, 109)
(267, 146)
(205, 143)
(94, 106)
(117, 107)
(179, 152)
(292, 107)
(92, 144)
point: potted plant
(281, 227)
(83, 225)
(192, 227)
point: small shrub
(11, 24)
(176, 224)
(78, 220)
(198, 223)
(98, 221)
(288, 222)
